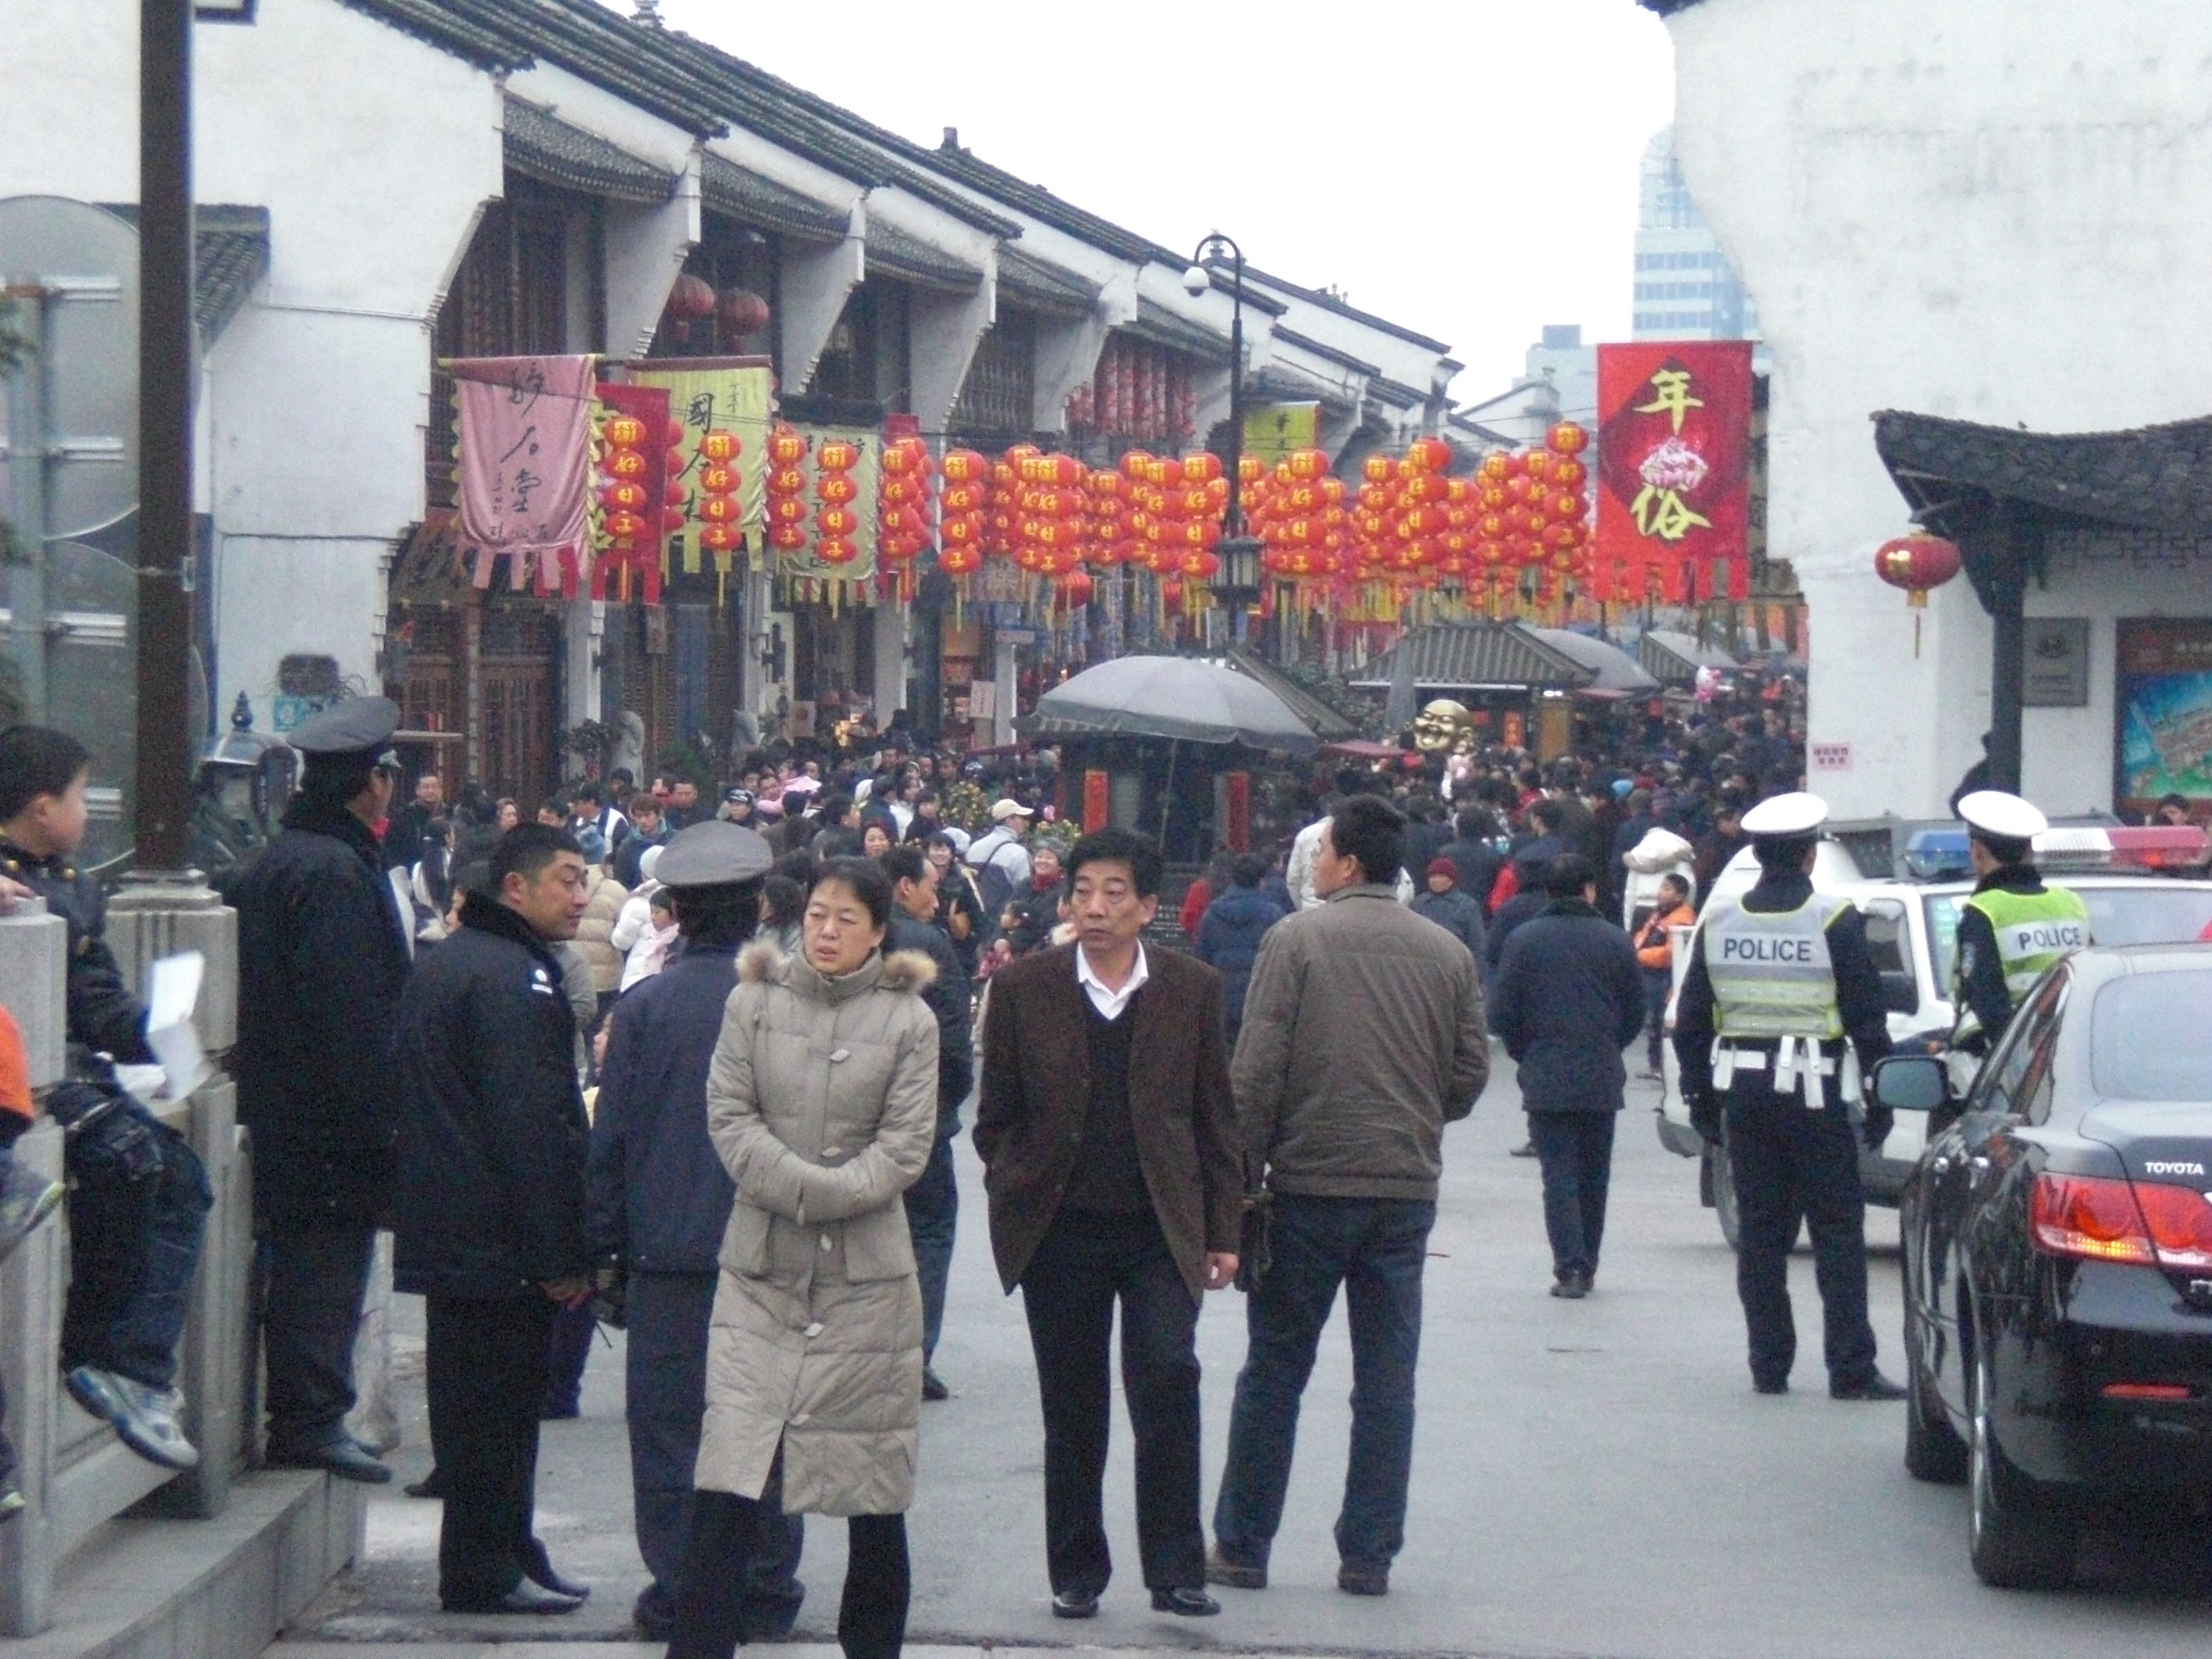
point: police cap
(359, 725)
(713, 854)
(1999, 813)
(1785, 818)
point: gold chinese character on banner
(1664, 514)
(1670, 390)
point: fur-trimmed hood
(908, 972)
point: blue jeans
(137, 1208)
(1575, 1150)
(1376, 1249)
(932, 1219)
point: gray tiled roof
(1451, 656)
(895, 254)
(1674, 658)
(1042, 205)
(2154, 477)
(543, 145)
(230, 255)
(1327, 353)
(756, 199)
(1162, 327)
(1613, 669)
(1043, 287)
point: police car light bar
(2154, 847)
(1938, 854)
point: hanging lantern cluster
(1534, 511)
(717, 506)
(836, 521)
(903, 501)
(961, 509)
(1052, 511)
(1297, 511)
(786, 489)
(690, 300)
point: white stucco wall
(1999, 210)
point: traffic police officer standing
(2013, 926)
(661, 1199)
(322, 955)
(1781, 1009)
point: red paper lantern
(1566, 439)
(720, 446)
(742, 311)
(1917, 563)
(690, 297)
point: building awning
(1615, 673)
(542, 146)
(1042, 287)
(893, 253)
(1155, 323)
(754, 198)
(230, 256)
(1328, 724)
(1464, 656)
(2154, 477)
(1674, 658)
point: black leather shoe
(1572, 1286)
(933, 1386)
(1363, 1581)
(432, 1484)
(1185, 1602)
(344, 1457)
(1770, 1385)
(538, 1568)
(1876, 1387)
(524, 1597)
(1075, 1604)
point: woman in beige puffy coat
(822, 1100)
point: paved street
(1592, 1478)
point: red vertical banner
(1238, 832)
(1674, 473)
(1095, 801)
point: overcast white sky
(1468, 169)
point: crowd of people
(576, 1061)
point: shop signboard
(2162, 701)
(2056, 674)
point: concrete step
(204, 1589)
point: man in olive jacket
(1363, 1037)
(1109, 1143)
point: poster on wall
(2163, 703)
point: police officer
(661, 1199)
(322, 955)
(2013, 926)
(1781, 1009)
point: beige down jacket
(822, 1100)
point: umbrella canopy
(1176, 697)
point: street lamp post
(1239, 554)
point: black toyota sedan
(2057, 1235)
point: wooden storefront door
(518, 666)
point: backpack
(993, 885)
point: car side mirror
(1912, 1083)
(1900, 991)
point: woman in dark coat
(1230, 931)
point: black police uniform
(321, 961)
(660, 1201)
(1790, 1161)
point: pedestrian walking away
(814, 1360)
(1655, 960)
(1363, 1037)
(1106, 1133)
(492, 1146)
(661, 1203)
(1568, 998)
(322, 957)
(1780, 1015)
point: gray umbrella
(1175, 697)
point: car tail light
(2094, 1217)
(2180, 1221)
(2148, 1391)
(2105, 1219)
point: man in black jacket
(1567, 999)
(321, 958)
(491, 1206)
(932, 1203)
(659, 1203)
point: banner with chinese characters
(724, 394)
(1674, 473)
(524, 463)
(1274, 432)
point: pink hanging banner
(524, 465)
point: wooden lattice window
(998, 400)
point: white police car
(2142, 886)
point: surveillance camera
(1195, 282)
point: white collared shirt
(1110, 1003)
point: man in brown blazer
(1109, 1141)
